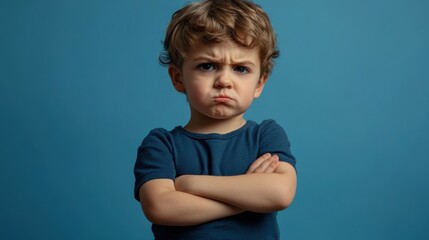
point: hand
(267, 163)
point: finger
(265, 166)
(275, 162)
(258, 162)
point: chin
(223, 115)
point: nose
(223, 80)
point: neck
(211, 125)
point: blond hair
(216, 21)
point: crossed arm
(268, 185)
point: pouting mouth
(222, 98)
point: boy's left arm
(256, 191)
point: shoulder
(271, 129)
(158, 137)
(266, 126)
(161, 134)
(268, 132)
(167, 139)
(273, 139)
(155, 135)
(269, 123)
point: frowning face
(219, 80)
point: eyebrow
(216, 60)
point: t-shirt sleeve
(154, 160)
(273, 139)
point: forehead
(224, 52)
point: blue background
(80, 87)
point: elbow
(284, 202)
(155, 219)
(155, 215)
(275, 204)
(285, 197)
(286, 189)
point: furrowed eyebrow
(245, 63)
(215, 60)
(204, 59)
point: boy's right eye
(206, 66)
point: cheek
(195, 95)
(248, 100)
(247, 97)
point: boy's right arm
(163, 205)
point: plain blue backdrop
(80, 87)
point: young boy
(219, 176)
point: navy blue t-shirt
(170, 154)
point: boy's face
(219, 80)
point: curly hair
(216, 21)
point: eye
(241, 69)
(206, 66)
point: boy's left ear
(260, 86)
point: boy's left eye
(241, 69)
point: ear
(176, 78)
(260, 85)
